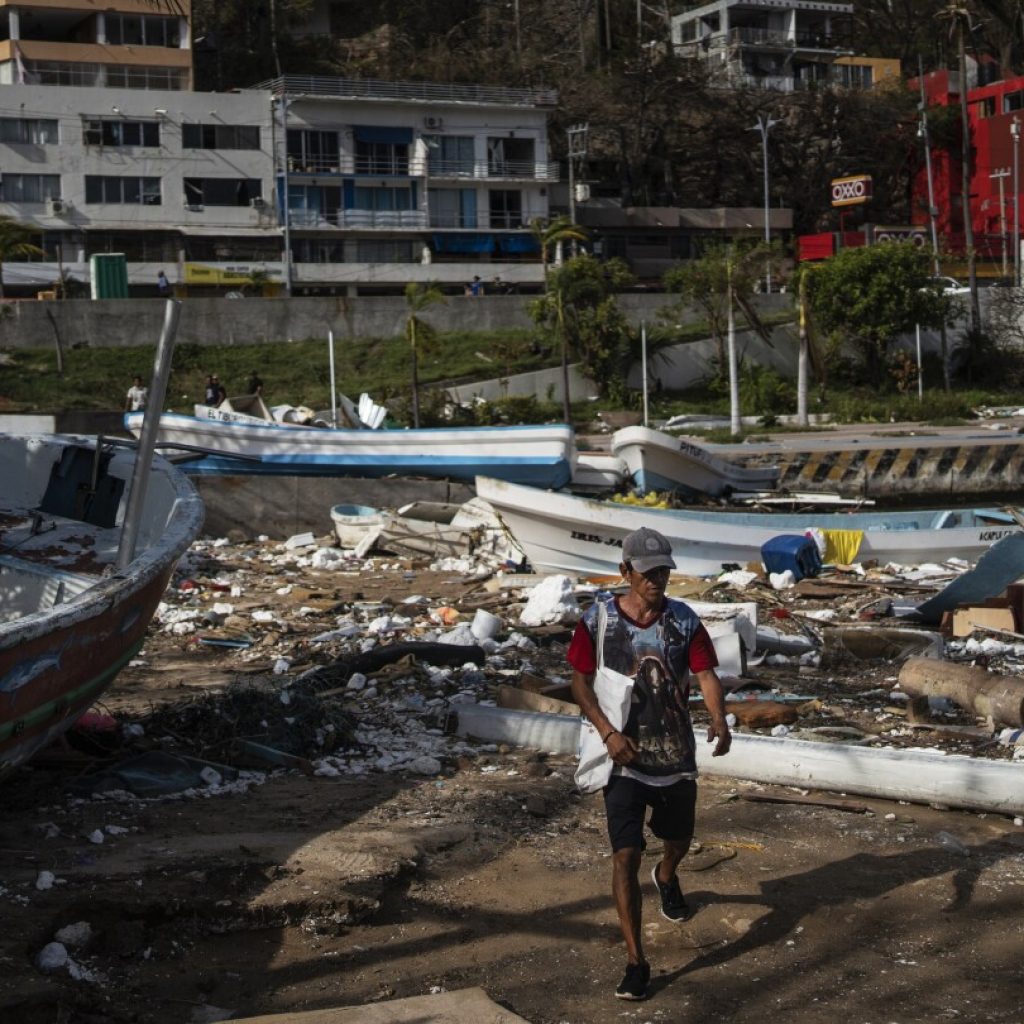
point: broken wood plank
(809, 801)
(761, 714)
(525, 700)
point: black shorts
(672, 811)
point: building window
(106, 188)
(506, 208)
(124, 77)
(317, 250)
(313, 150)
(220, 136)
(138, 246)
(855, 76)
(29, 188)
(510, 158)
(30, 130)
(387, 250)
(450, 155)
(121, 133)
(1013, 101)
(142, 30)
(383, 199)
(986, 107)
(222, 191)
(51, 72)
(382, 157)
(452, 207)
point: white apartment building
(772, 44)
(386, 183)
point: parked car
(951, 286)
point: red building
(991, 110)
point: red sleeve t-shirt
(582, 654)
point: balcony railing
(374, 219)
(764, 37)
(417, 167)
(437, 92)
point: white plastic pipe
(920, 776)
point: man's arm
(714, 701)
(621, 749)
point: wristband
(611, 733)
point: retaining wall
(123, 323)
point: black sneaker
(634, 982)
(673, 906)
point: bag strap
(602, 625)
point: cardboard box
(967, 618)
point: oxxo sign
(851, 191)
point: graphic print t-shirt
(658, 656)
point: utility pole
(965, 174)
(1001, 176)
(1015, 136)
(933, 216)
(577, 149)
(764, 126)
(284, 213)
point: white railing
(378, 219)
(439, 92)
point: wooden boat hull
(60, 649)
(660, 462)
(540, 456)
(562, 533)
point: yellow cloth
(841, 546)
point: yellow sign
(851, 191)
(200, 273)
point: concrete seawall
(125, 323)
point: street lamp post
(1015, 136)
(764, 126)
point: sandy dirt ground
(311, 891)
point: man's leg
(675, 851)
(626, 889)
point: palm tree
(549, 235)
(15, 242)
(419, 333)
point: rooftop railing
(436, 92)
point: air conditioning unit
(257, 202)
(433, 122)
(55, 207)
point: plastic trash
(954, 845)
(485, 625)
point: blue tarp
(517, 243)
(463, 243)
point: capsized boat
(562, 533)
(72, 614)
(541, 456)
(660, 462)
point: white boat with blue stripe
(538, 456)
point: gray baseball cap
(646, 549)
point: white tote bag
(613, 691)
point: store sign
(225, 274)
(915, 235)
(851, 191)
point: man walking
(646, 644)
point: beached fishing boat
(77, 589)
(660, 462)
(562, 533)
(541, 456)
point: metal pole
(334, 390)
(643, 363)
(147, 436)
(933, 212)
(1015, 136)
(286, 213)
(734, 376)
(920, 368)
(1000, 176)
(764, 126)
